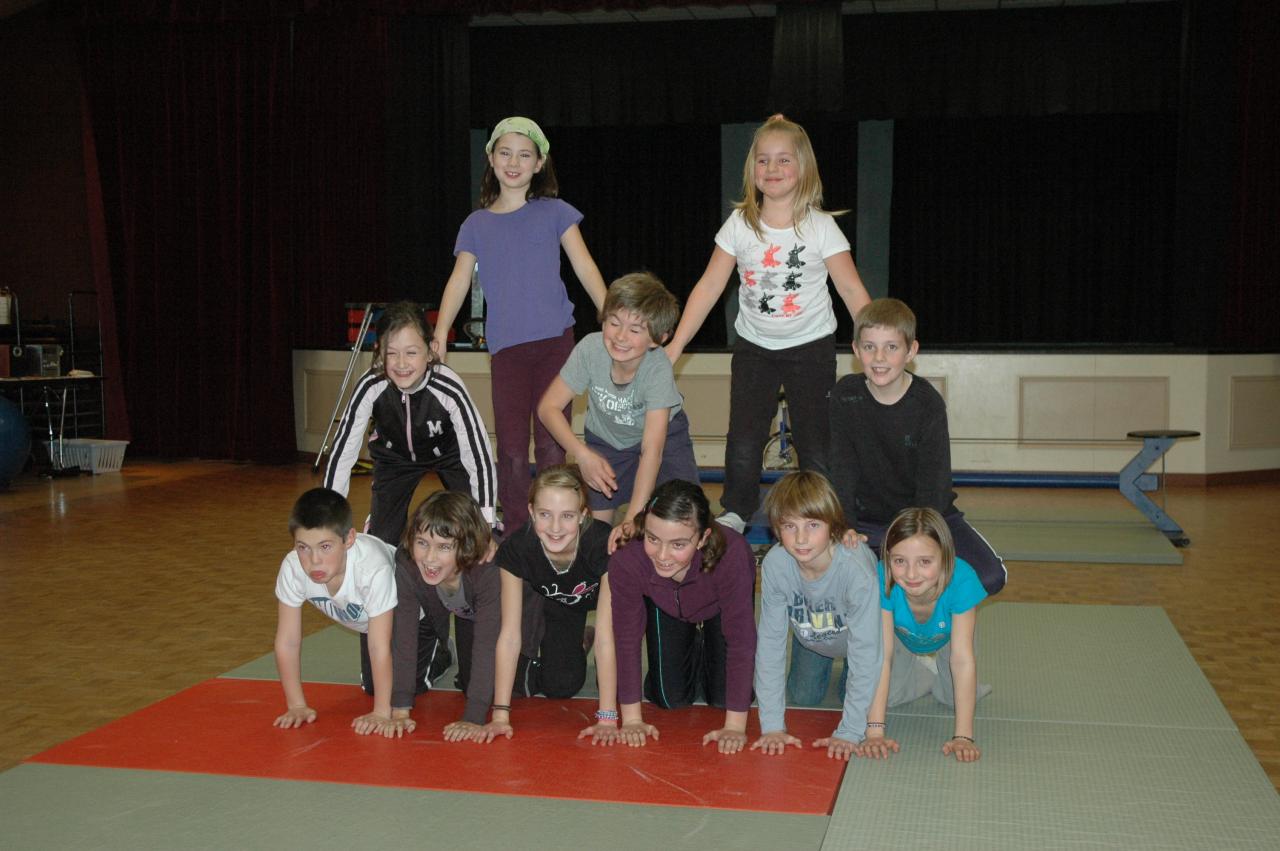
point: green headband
(523, 126)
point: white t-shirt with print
(368, 589)
(782, 295)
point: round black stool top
(1164, 432)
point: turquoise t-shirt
(962, 594)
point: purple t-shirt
(518, 262)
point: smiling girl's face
(916, 563)
(671, 546)
(558, 515)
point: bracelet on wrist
(966, 738)
(503, 706)
(879, 724)
(606, 715)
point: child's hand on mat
(962, 748)
(370, 723)
(295, 717)
(851, 539)
(493, 730)
(602, 733)
(398, 725)
(838, 748)
(878, 747)
(727, 740)
(463, 731)
(634, 733)
(597, 472)
(775, 742)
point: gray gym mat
(1051, 786)
(1101, 731)
(1080, 541)
(1087, 665)
(69, 807)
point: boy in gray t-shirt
(636, 434)
(825, 593)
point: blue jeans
(810, 675)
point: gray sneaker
(733, 521)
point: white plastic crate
(88, 453)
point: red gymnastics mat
(223, 726)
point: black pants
(392, 491)
(684, 658)
(433, 658)
(555, 664)
(808, 372)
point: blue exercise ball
(15, 441)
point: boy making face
(351, 578)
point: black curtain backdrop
(634, 75)
(650, 200)
(1252, 300)
(263, 163)
(428, 163)
(1051, 230)
(241, 166)
(1120, 58)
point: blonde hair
(565, 476)
(805, 493)
(808, 185)
(643, 294)
(452, 515)
(920, 521)
(886, 313)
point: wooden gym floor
(123, 589)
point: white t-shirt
(782, 298)
(368, 589)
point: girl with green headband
(513, 243)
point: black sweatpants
(433, 658)
(559, 668)
(684, 658)
(392, 491)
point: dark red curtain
(1252, 300)
(241, 167)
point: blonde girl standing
(784, 247)
(513, 241)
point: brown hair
(402, 314)
(684, 502)
(321, 508)
(643, 294)
(805, 493)
(453, 515)
(543, 185)
(919, 521)
(886, 313)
